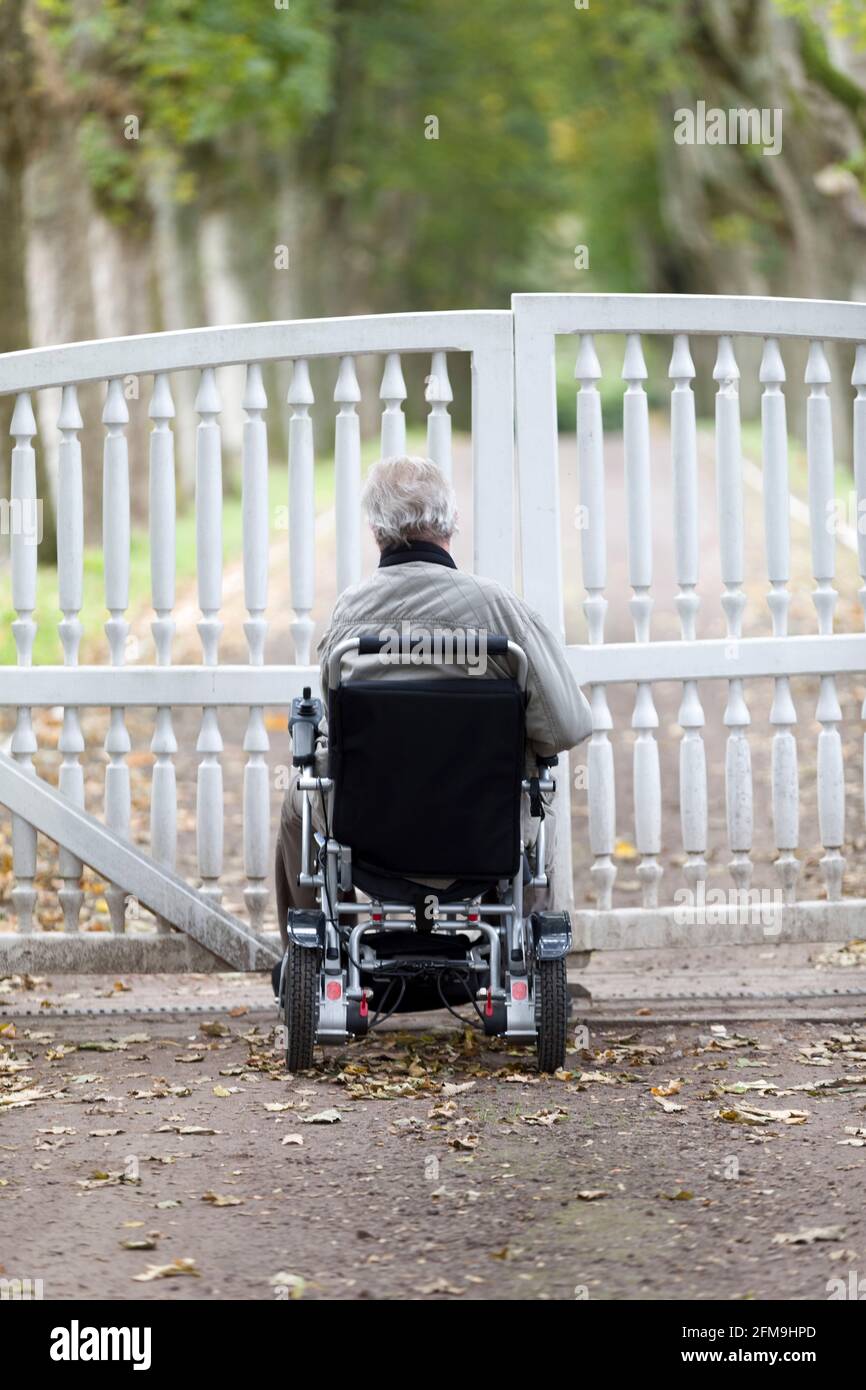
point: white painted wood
(302, 510)
(684, 463)
(783, 715)
(152, 884)
(70, 572)
(393, 393)
(858, 381)
(720, 659)
(439, 396)
(646, 770)
(831, 775)
(538, 494)
(611, 664)
(23, 559)
(590, 521)
(347, 467)
(707, 314)
(209, 515)
(493, 498)
(729, 501)
(677, 927)
(208, 508)
(163, 744)
(482, 331)
(256, 551)
(488, 339)
(115, 546)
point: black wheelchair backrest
(427, 774)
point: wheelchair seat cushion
(428, 775)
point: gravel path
(685, 1162)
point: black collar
(428, 551)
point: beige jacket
(428, 596)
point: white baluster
(302, 510)
(256, 743)
(729, 494)
(684, 459)
(783, 715)
(347, 468)
(70, 569)
(858, 380)
(393, 393)
(208, 509)
(115, 547)
(647, 776)
(439, 396)
(163, 790)
(593, 536)
(822, 497)
(24, 513)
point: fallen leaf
(809, 1236)
(322, 1117)
(752, 1115)
(293, 1282)
(179, 1266)
(545, 1118)
(673, 1088)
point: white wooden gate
(137, 942)
(691, 911)
(505, 349)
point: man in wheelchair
(448, 700)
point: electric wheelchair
(421, 813)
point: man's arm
(558, 716)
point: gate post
(540, 545)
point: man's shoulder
(430, 590)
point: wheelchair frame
(521, 957)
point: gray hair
(408, 498)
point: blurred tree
(18, 121)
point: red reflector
(333, 989)
(488, 1007)
(473, 917)
(363, 1009)
(518, 989)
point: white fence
(506, 350)
(485, 336)
(668, 917)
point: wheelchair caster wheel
(551, 984)
(300, 1005)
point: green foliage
(547, 119)
(203, 80)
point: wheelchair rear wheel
(551, 1013)
(301, 996)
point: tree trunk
(15, 137)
